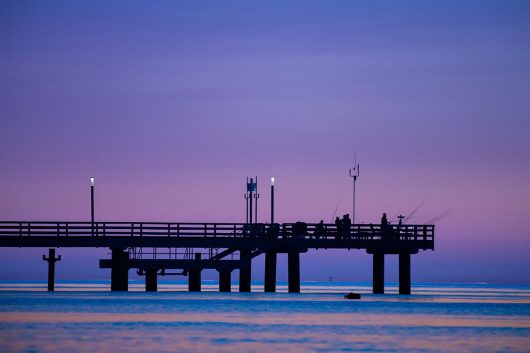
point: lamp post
(251, 189)
(272, 201)
(246, 207)
(271, 255)
(246, 202)
(256, 196)
(92, 203)
(354, 173)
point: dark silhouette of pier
(154, 249)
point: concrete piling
(404, 273)
(293, 269)
(51, 259)
(225, 280)
(378, 286)
(119, 280)
(194, 277)
(270, 271)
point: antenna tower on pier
(354, 174)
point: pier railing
(214, 230)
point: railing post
(432, 232)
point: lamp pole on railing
(256, 196)
(246, 206)
(272, 201)
(246, 200)
(250, 200)
(92, 204)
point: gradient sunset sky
(171, 104)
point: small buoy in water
(352, 295)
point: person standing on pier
(320, 231)
(338, 225)
(384, 226)
(346, 226)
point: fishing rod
(336, 208)
(413, 212)
(439, 216)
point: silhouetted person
(320, 231)
(338, 224)
(400, 225)
(384, 226)
(346, 225)
(300, 229)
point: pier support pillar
(404, 273)
(270, 271)
(378, 273)
(194, 277)
(119, 278)
(151, 284)
(51, 259)
(245, 272)
(293, 264)
(225, 280)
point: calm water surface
(81, 317)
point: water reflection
(88, 318)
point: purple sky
(170, 105)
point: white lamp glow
(272, 181)
(91, 181)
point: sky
(170, 105)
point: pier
(155, 248)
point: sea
(87, 317)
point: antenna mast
(354, 173)
(250, 195)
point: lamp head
(91, 181)
(272, 181)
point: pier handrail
(421, 232)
